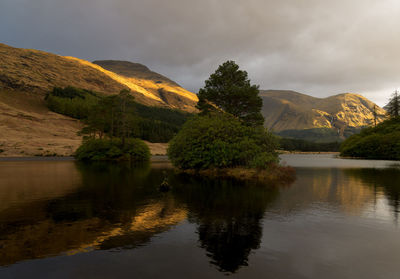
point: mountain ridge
(290, 110)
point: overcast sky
(315, 47)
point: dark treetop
(229, 89)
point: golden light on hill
(87, 235)
(286, 110)
(149, 88)
(152, 219)
(123, 80)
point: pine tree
(229, 90)
(375, 114)
(113, 116)
(393, 107)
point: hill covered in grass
(295, 115)
(380, 142)
(35, 71)
(161, 87)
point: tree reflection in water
(228, 214)
(382, 180)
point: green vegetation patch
(73, 102)
(380, 142)
(219, 140)
(113, 149)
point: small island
(227, 137)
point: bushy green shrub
(221, 141)
(107, 149)
(380, 142)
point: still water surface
(339, 219)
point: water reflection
(64, 208)
(386, 181)
(113, 206)
(327, 187)
(228, 214)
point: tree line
(116, 115)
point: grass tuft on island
(274, 174)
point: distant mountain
(297, 115)
(38, 72)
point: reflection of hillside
(152, 219)
(228, 214)
(24, 182)
(386, 181)
(331, 186)
(113, 207)
(51, 238)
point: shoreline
(307, 152)
(153, 158)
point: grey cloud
(312, 46)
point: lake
(63, 219)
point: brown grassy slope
(286, 110)
(28, 128)
(38, 72)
